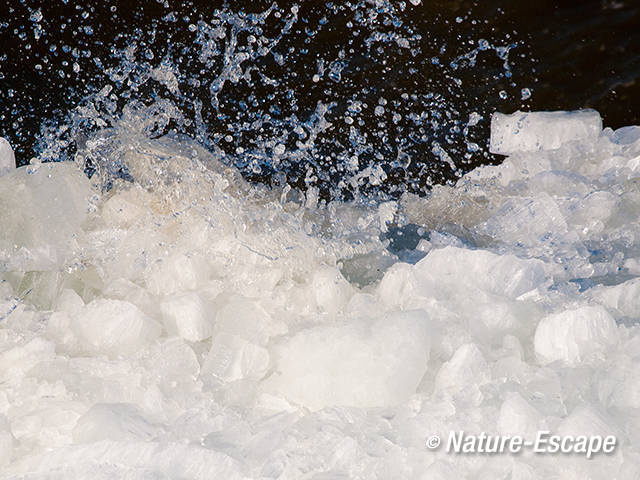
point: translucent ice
(6, 441)
(233, 358)
(573, 335)
(466, 368)
(113, 326)
(519, 417)
(42, 208)
(500, 274)
(533, 131)
(7, 158)
(623, 298)
(186, 315)
(116, 421)
(183, 324)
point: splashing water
(263, 277)
(283, 95)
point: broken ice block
(248, 319)
(113, 421)
(176, 273)
(504, 275)
(572, 335)
(387, 358)
(330, 290)
(624, 298)
(466, 367)
(518, 417)
(20, 358)
(43, 208)
(533, 131)
(186, 315)
(7, 159)
(586, 419)
(114, 326)
(233, 358)
(6, 441)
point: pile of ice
(187, 325)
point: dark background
(570, 55)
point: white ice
(188, 325)
(7, 158)
(529, 132)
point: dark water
(343, 88)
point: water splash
(282, 94)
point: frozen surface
(364, 363)
(7, 158)
(41, 215)
(188, 325)
(573, 336)
(532, 131)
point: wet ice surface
(7, 158)
(189, 325)
(525, 132)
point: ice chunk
(233, 358)
(533, 131)
(248, 319)
(7, 158)
(330, 290)
(619, 385)
(43, 208)
(362, 363)
(531, 222)
(623, 298)
(113, 421)
(19, 359)
(179, 272)
(186, 315)
(588, 420)
(467, 367)
(504, 275)
(124, 208)
(43, 288)
(573, 335)
(59, 330)
(627, 135)
(396, 284)
(108, 459)
(123, 289)
(174, 361)
(6, 441)
(69, 301)
(518, 417)
(114, 326)
(591, 214)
